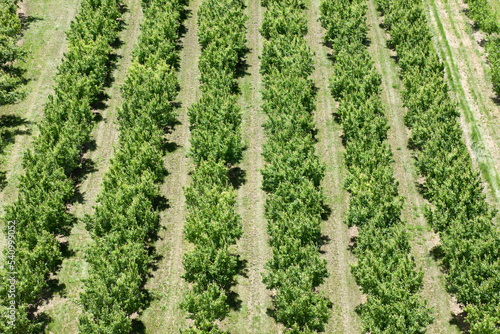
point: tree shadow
(27, 20)
(242, 66)
(395, 59)
(495, 100)
(184, 15)
(367, 42)
(237, 177)
(53, 287)
(353, 243)
(161, 203)
(3, 180)
(325, 42)
(86, 167)
(459, 321)
(9, 125)
(9, 136)
(314, 135)
(336, 117)
(98, 116)
(118, 43)
(9, 130)
(156, 258)
(38, 318)
(66, 251)
(170, 128)
(421, 188)
(12, 121)
(111, 65)
(323, 240)
(90, 146)
(171, 147)
(327, 212)
(138, 327)
(233, 300)
(100, 103)
(412, 146)
(437, 253)
(242, 268)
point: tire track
(468, 75)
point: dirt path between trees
(253, 246)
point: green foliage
(287, 54)
(483, 15)
(345, 24)
(299, 307)
(157, 44)
(293, 173)
(212, 220)
(486, 19)
(126, 219)
(492, 47)
(215, 120)
(283, 21)
(212, 224)
(11, 79)
(385, 270)
(206, 305)
(470, 240)
(150, 90)
(40, 211)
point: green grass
(485, 163)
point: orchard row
(486, 19)
(459, 213)
(293, 173)
(11, 78)
(126, 219)
(212, 225)
(40, 211)
(385, 269)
